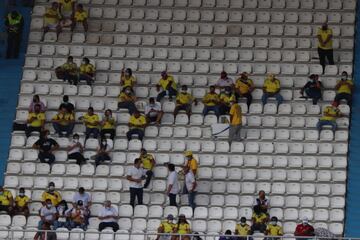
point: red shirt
(304, 230)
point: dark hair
(21, 189)
(63, 202)
(151, 99)
(70, 58)
(257, 209)
(81, 189)
(137, 160)
(76, 135)
(36, 96)
(345, 72)
(212, 86)
(128, 70)
(108, 110)
(184, 86)
(171, 167)
(243, 219)
(65, 98)
(274, 218)
(42, 134)
(80, 5)
(86, 59)
(103, 146)
(91, 108)
(228, 232)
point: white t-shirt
(265, 202)
(108, 212)
(189, 180)
(173, 180)
(155, 107)
(48, 213)
(86, 198)
(228, 82)
(136, 173)
(75, 149)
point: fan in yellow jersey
(127, 79)
(183, 228)
(92, 123)
(80, 16)
(184, 101)
(166, 86)
(166, 226)
(225, 100)
(325, 48)
(244, 86)
(259, 220)
(21, 203)
(51, 194)
(52, 19)
(137, 124)
(6, 200)
(148, 163)
(344, 89)
(127, 100)
(271, 88)
(242, 229)
(191, 162)
(63, 121)
(273, 229)
(108, 125)
(211, 102)
(330, 114)
(35, 121)
(235, 121)
(68, 71)
(87, 71)
(66, 8)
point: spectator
(85, 197)
(262, 202)
(191, 162)
(172, 185)
(225, 99)
(224, 81)
(242, 229)
(48, 215)
(271, 88)
(127, 100)
(148, 163)
(227, 236)
(108, 217)
(153, 111)
(259, 220)
(92, 123)
(62, 214)
(135, 175)
(68, 71)
(46, 147)
(80, 16)
(137, 124)
(184, 101)
(330, 114)
(36, 100)
(35, 120)
(75, 150)
(127, 79)
(67, 8)
(87, 71)
(166, 226)
(52, 195)
(14, 23)
(108, 125)
(52, 19)
(183, 228)
(21, 203)
(46, 235)
(344, 89)
(68, 105)
(190, 186)
(312, 89)
(77, 216)
(235, 121)
(304, 229)
(6, 200)
(103, 151)
(211, 102)
(244, 86)
(273, 229)
(168, 86)
(325, 48)
(62, 122)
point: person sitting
(304, 229)
(168, 86)
(167, 226)
(52, 19)
(224, 81)
(330, 114)
(148, 163)
(68, 105)
(108, 125)
(244, 86)
(273, 229)
(242, 229)
(35, 121)
(52, 195)
(211, 102)
(259, 220)
(46, 147)
(85, 198)
(137, 124)
(127, 100)
(68, 71)
(62, 214)
(184, 101)
(191, 162)
(66, 8)
(108, 216)
(87, 71)
(262, 201)
(153, 111)
(48, 217)
(77, 216)
(62, 122)
(80, 16)
(75, 150)
(312, 89)
(36, 100)
(225, 100)
(271, 88)
(227, 236)
(344, 89)
(22, 203)
(92, 123)
(6, 200)
(183, 228)
(103, 151)
(127, 79)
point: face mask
(127, 91)
(49, 205)
(127, 74)
(273, 223)
(76, 140)
(343, 78)
(21, 194)
(227, 92)
(107, 208)
(305, 223)
(184, 91)
(242, 224)
(51, 189)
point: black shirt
(46, 144)
(313, 85)
(69, 106)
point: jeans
(73, 224)
(136, 193)
(322, 123)
(224, 109)
(130, 106)
(30, 129)
(78, 157)
(149, 175)
(184, 107)
(93, 131)
(172, 198)
(89, 80)
(161, 95)
(191, 199)
(54, 223)
(107, 131)
(46, 155)
(137, 131)
(215, 109)
(266, 95)
(261, 227)
(100, 158)
(59, 129)
(234, 133)
(326, 53)
(313, 93)
(248, 97)
(345, 96)
(72, 79)
(113, 225)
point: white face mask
(103, 142)
(343, 77)
(83, 62)
(127, 91)
(76, 140)
(49, 205)
(51, 188)
(184, 91)
(273, 223)
(21, 194)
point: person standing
(190, 186)
(325, 48)
(235, 121)
(172, 185)
(191, 162)
(135, 175)
(46, 147)
(14, 23)
(108, 217)
(148, 163)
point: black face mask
(324, 28)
